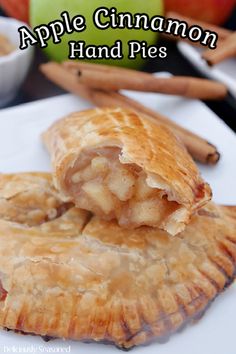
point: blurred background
(36, 12)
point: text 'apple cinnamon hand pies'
(65, 274)
(120, 165)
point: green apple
(44, 11)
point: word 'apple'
(44, 11)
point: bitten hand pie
(74, 277)
(119, 165)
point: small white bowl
(14, 66)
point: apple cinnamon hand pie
(74, 277)
(122, 166)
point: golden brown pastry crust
(152, 147)
(30, 198)
(84, 279)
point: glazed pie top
(74, 277)
(122, 166)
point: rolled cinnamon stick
(199, 148)
(116, 78)
(223, 33)
(182, 86)
(225, 50)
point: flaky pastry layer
(120, 165)
(87, 279)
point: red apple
(18, 9)
(212, 11)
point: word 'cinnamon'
(223, 33)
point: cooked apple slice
(120, 165)
(100, 195)
(121, 183)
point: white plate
(21, 150)
(224, 72)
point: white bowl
(14, 66)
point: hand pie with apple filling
(87, 279)
(120, 165)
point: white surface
(21, 150)
(14, 66)
(224, 72)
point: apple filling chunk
(100, 195)
(143, 191)
(121, 183)
(112, 190)
(99, 165)
(150, 211)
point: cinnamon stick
(139, 81)
(223, 33)
(224, 51)
(199, 148)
